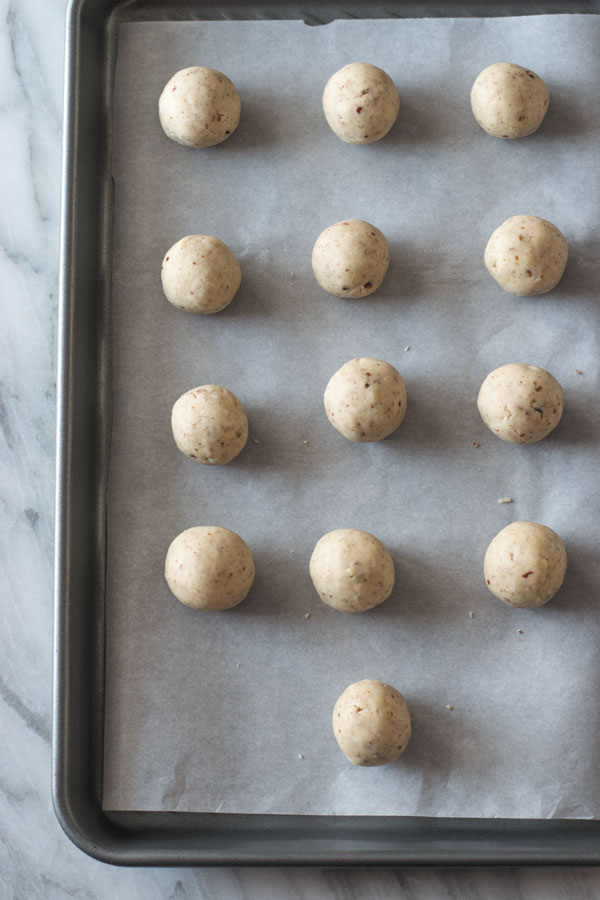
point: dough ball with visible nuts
(365, 400)
(209, 425)
(371, 723)
(200, 274)
(360, 103)
(199, 107)
(525, 564)
(520, 403)
(350, 258)
(351, 570)
(526, 255)
(509, 101)
(208, 567)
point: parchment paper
(232, 711)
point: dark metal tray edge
(83, 435)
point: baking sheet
(231, 711)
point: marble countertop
(36, 859)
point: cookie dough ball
(351, 570)
(209, 425)
(525, 564)
(360, 103)
(371, 723)
(200, 274)
(526, 255)
(209, 567)
(520, 403)
(350, 258)
(365, 400)
(509, 101)
(199, 107)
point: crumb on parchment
(505, 499)
(256, 440)
(471, 614)
(307, 615)
(449, 706)
(476, 443)
(519, 631)
(301, 756)
(577, 371)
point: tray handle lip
(67, 817)
(122, 847)
(59, 799)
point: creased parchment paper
(232, 711)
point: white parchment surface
(232, 711)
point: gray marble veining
(36, 859)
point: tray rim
(160, 838)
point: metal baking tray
(83, 439)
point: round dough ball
(509, 101)
(350, 258)
(209, 567)
(520, 403)
(360, 103)
(526, 255)
(351, 570)
(199, 107)
(365, 400)
(371, 723)
(200, 274)
(209, 425)
(525, 564)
